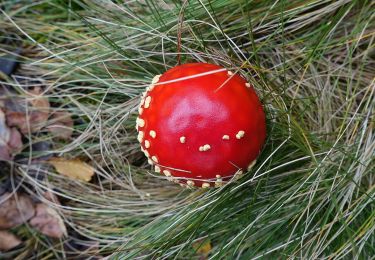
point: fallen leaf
(4, 130)
(30, 112)
(18, 119)
(8, 241)
(61, 125)
(4, 153)
(73, 168)
(39, 101)
(202, 248)
(15, 140)
(49, 195)
(10, 139)
(15, 210)
(48, 222)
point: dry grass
(311, 192)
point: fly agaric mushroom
(200, 125)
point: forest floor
(74, 183)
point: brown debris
(10, 139)
(15, 210)
(48, 222)
(8, 241)
(61, 125)
(31, 113)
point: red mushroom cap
(200, 124)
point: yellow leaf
(74, 168)
(202, 247)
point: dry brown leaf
(73, 168)
(15, 141)
(17, 119)
(61, 125)
(15, 210)
(49, 195)
(10, 139)
(32, 112)
(38, 100)
(4, 130)
(8, 241)
(4, 153)
(48, 222)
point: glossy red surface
(202, 109)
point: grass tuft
(310, 194)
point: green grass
(311, 193)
